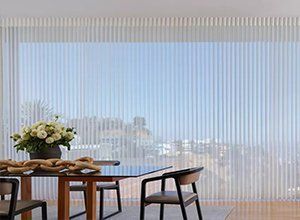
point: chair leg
(142, 211)
(119, 199)
(85, 205)
(142, 205)
(184, 216)
(44, 211)
(161, 212)
(197, 201)
(85, 201)
(181, 202)
(101, 209)
(102, 206)
(198, 209)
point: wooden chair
(181, 177)
(101, 187)
(12, 207)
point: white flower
(53, 123)
(57, 130)
(41, 127)
(15, 136)
(49, 140)
(26, 137)
(63, 133)
(69, 135)
(37, 124)
(26, 130)
(56, 136)
(34, 132)
(42, 134)
(49, 129)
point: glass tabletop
(122, 171)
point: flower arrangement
(43, 135)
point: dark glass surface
(106, 171)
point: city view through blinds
(232, 107)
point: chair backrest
(186, 176)
(107, 162)
(5, 188)
(10, 186)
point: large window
(231, 106)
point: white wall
(149, 8)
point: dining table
(107, 174)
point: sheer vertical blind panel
(215, 92)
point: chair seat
(21, 205)
(82, 187)
(169, 197)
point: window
(229, 105)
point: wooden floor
(262, 210)
(254, 210)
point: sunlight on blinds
(218, 92)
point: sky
(184, 90)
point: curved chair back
(186, 176)
(9, 186)
(5, 188)
(181, 177)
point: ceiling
(148, 8)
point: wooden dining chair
(101, 187)
(178, 197)
(12, 207)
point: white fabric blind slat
(215, 92)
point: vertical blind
(222, 93)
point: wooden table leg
(26, 195)
(63, 204)
(91, 200)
